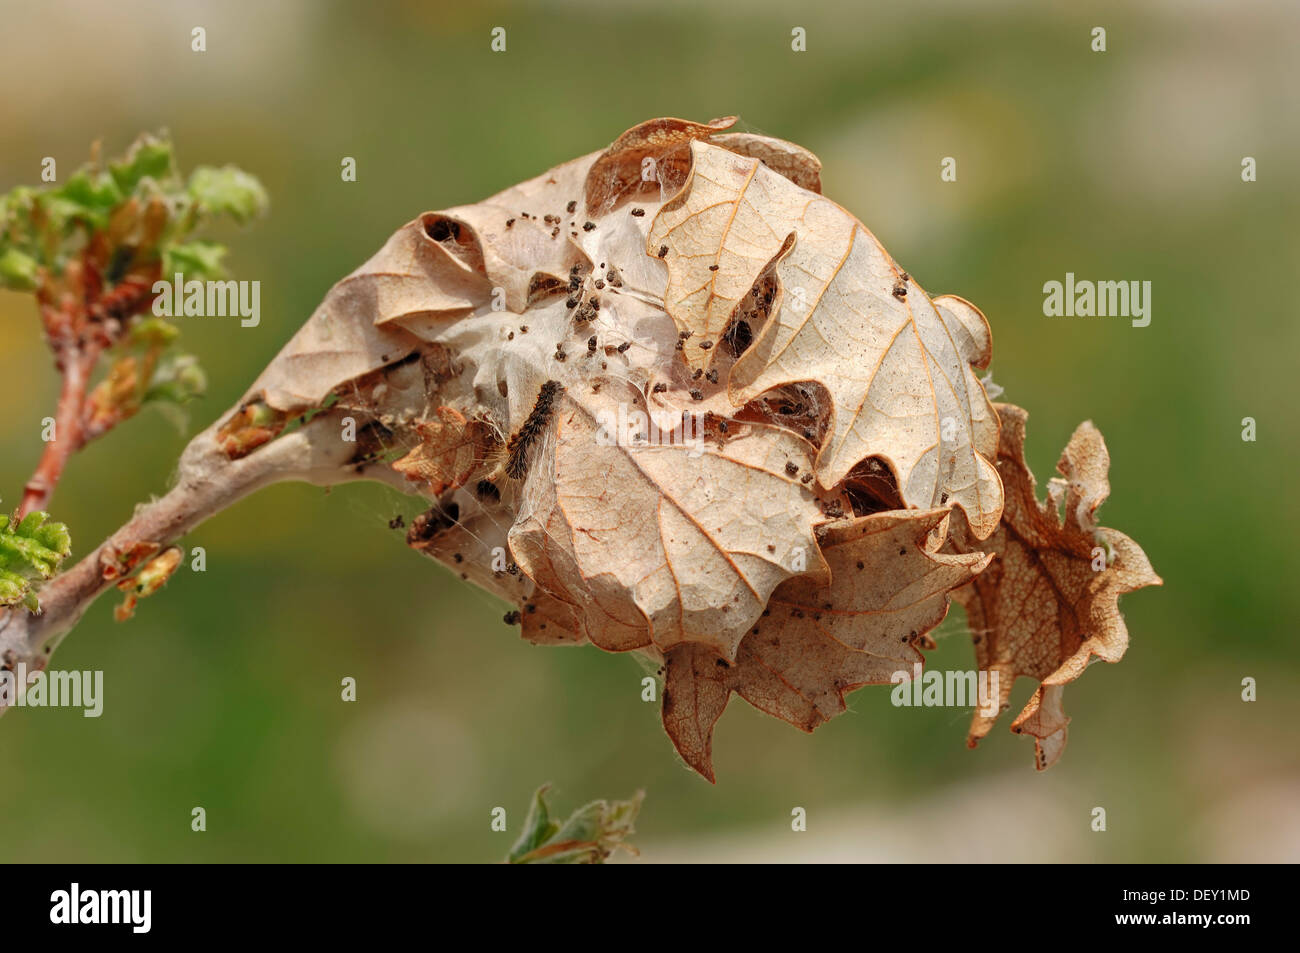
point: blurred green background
(224, 690)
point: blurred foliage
(1122, 165)
(140, 206)
(589, 836)
(91, 248)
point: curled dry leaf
(1049, 602)
(665, 398)
(818, 639)
(450, 449)
(897, 366)
(674, 543)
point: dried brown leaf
(450, 449)
(1049, 602)
(888, 586)
(693, 538)
(898, 367)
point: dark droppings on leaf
(572, 206)
(663, 250)
(623, 347)
(638, 212)
(659, 388)
(588, 226)
(512, 618)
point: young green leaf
(148, 157)
(538, 827)
(30, 553)
(18, 270)
(199, 259)
(227, 191)
(589, 836)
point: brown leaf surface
(450, 449)
(888, 586)
(1045, 608)
(899, 368)
(692, 537)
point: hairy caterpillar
(522, 442)
(127, 298)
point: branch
(77, 362)
(207, 483)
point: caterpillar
(128, 297)
(522, 441)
